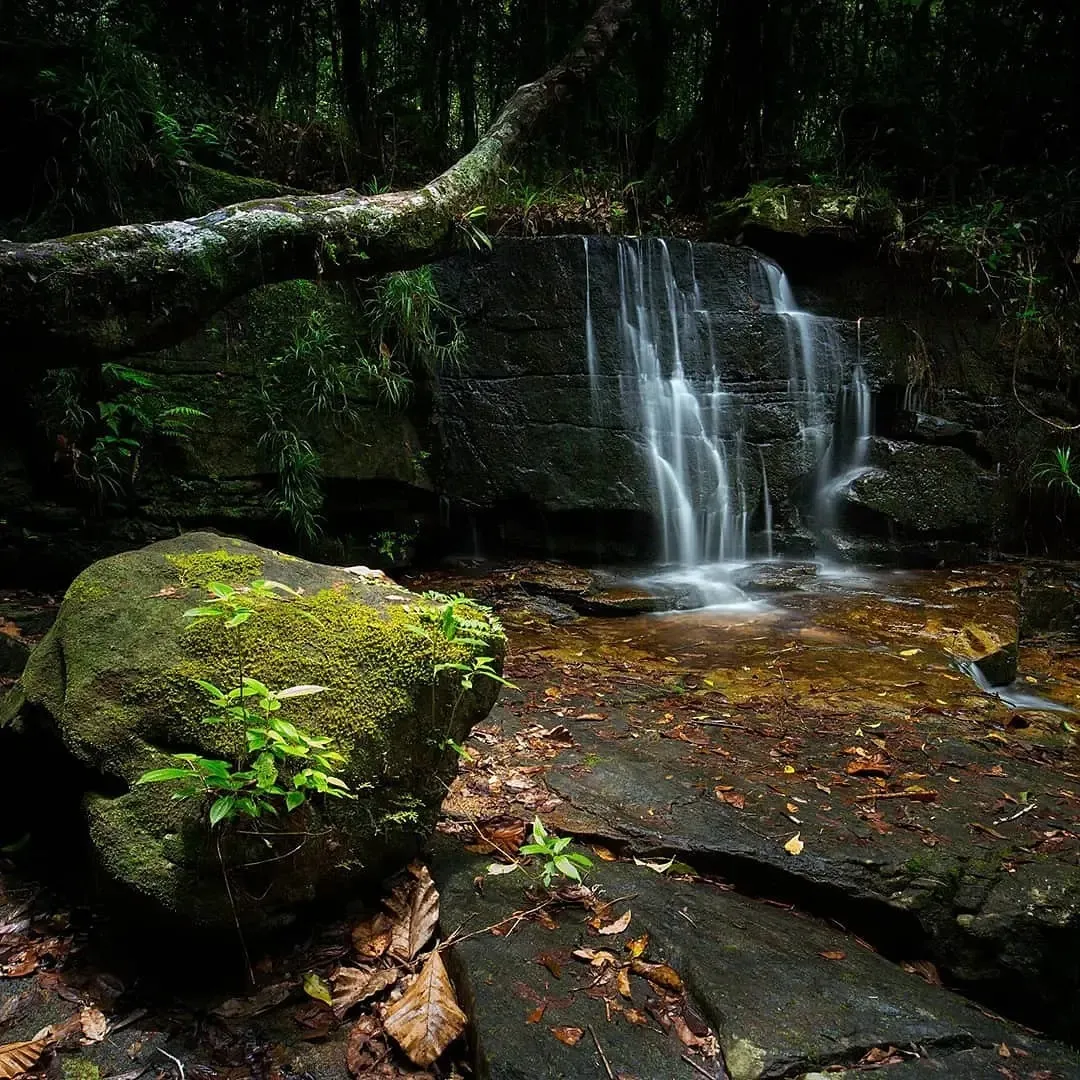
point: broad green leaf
(155, 776)
(294, 799)
(315, 988)
(221, 809)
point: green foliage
(282, 765)
(457, 620)
(393, 545)
(987, 250)
(557, 860)
(329, 368)
(1057, 471)
(411, 331)
(102, 440)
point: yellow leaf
(622, 981)
(789, 769)
(315, 988)
(795, 845)
(638, 946)
(427, 1019)
(910, 652)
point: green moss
(85, 589)
(78, 1068)
(200, 568)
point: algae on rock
(112, 686)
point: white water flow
(712, 504)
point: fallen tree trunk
(132, 288)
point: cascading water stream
(713, 508)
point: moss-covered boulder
(807, 210)
(112, 686)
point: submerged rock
(110, 693)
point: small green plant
(460, 621)
(392, 545)
(281, 765)
(102, 441)
(1057, 471)
(470, 224)
(558, 861)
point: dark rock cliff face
(526, 437)
(517, 450)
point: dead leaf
(315, 988)
(415, 907)
(833, 954)
(618, 926)
(925, 970)
(686, 1036)
(427, 1019)
(569, 1035)
(537, 1014)
(360, 1053)
(874, 765)
(243, 1008)
(371, 938)
(590, 716)
(354, 984)
(596, 957)
(622, 981)
(21, 1057)
(497, 869)
(94, 1025)
(879, 1056)
(638, 946)
(795, 845)
(604, 853)
(636, 1016)
(559, 735)
(552, 962)
(732, 798)
(660, 974)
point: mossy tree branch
(132, 288)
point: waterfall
(692, 426)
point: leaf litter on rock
(427, 1018)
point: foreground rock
(940, 821)
(110, 693)
(783, 994)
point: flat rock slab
(784, 994)
(935, 818)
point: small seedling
(558, 862)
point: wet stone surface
(936, 818)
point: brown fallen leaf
(618, 926)
(569, 1035)
(833, 954)
(552, 962)
(686, 1036)
(371, 938)
(94, 1025)
(880, 1056)
(636, 1016)
(365, 1046)
(415, 907)
(590, 716)
(21, 1057)
(659, 974)
(596, 957)
(537, 1014)
(875, 765)
(427, 1018)
(606, 854)
(732, 798)
(925, 970)
(638, 946)
(622, 981)
(244, 1008)
(559, 735)
(353, 985)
